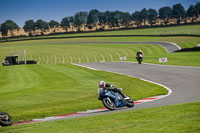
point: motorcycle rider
(104, 85)
(139, 56)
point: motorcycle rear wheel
(5, 119)
(109, 104)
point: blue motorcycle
(112, 100)
(5, 119)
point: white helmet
(102, 84)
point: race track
(170, 47)
(183, 81)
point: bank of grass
(179, 59)
(61, 51)
(38, 91)
(173, 30)
(182, 118)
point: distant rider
(110, 87)
(139, 56)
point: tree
(102, 19)
(29, 26)
(71, 21)
(117, 18)
(165, 13)
(42, 25)
(191, 12)
(53, 24)
(113, 19)
(8, 25)
(4, 29)
(108, 18)
(65, 23)
(126, 19)
(93, 18)
(144, 15)
(80, 19)
(178, 12)
(137, 18)
(197, 9)
(152, 15)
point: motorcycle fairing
(119, 102)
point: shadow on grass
(194, 49)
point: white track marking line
(84, 66)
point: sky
(21, 10)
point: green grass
(36, 91)
(181, 30)
(60, 51)
(179, 59)
(53, 85)
(185, 30)
(48, 52)
(183, 42)
(182, 118)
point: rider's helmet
(102, 84)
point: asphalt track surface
(170, 47)
(183, 81)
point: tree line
(97, 20)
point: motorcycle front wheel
(130, 102)
(5, 119)
(108, 103)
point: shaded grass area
(37, 91)
(165, 119)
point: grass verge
(37, 91)
(182, 118)
(60, 51)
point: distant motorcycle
(5, 119)
(139, 58)
(112, 100)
